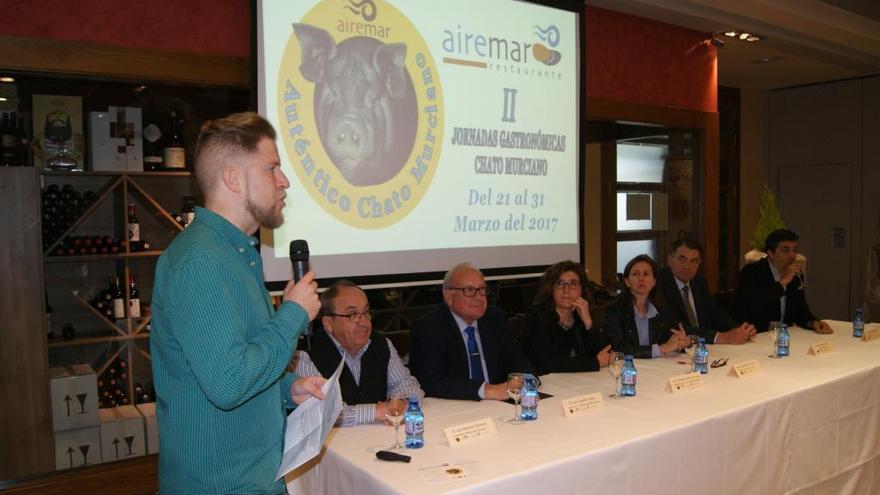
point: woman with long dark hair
(560, 334)
(635, 323)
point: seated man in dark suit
(689, 301)
(373, 370)
(463, 349)
(772, 290)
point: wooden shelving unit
(124, 338)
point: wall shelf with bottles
(77, 275)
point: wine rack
(76, 276)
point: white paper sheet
(309, 424)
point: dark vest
(374, 369)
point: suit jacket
(550, 347)
(710, 316)
(439, 358)
(620, 328)
(757, 298)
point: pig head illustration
(365, 103)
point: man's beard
(265, 217)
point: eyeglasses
(718, 363)
(355, 317)
(471, 291)
(562, 284)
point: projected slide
(418, 134)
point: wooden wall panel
(25, 422)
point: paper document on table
(309, 424)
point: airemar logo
(462, 43)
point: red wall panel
(200, 26)
(643, 61)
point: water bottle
(858, 324)
(783, 339)
(529, 399)
(628, 378)
(414, 425)
(701, 357)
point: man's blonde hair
(221, 140)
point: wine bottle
(24, 148)
(50, 334)
(134, 226)
(174, 153)
(7, 141)
(188, 212)
(152, 148)
(134, 298)
(118, 301)
(68, 332)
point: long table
(806, 424)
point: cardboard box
(74, 448)
(115, 140)
(122, 433)
(73, 392)
(148, 409)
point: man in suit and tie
(462, 349)
(689, 301)
(772, 289)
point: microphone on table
(299, 258)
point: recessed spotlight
(7, 79)
(731, 34)
(766, 60)
(753, 38)
(744, 36)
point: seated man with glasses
(372, 371)
(462, 349)
(560, 334)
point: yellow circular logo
(361, 111)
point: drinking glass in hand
(615, 366)
(515, 382)
(394, 409)
(693, 340)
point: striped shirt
(400, 382)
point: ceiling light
(3, 98)
(744, 36)
(731, 34)
(753, 38)
(7, 79)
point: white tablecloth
(805, 424)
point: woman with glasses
(560, 334)
(636, 323)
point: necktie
(474, 356)
(685, 294)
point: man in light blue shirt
(373, 370)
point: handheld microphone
(299, 258)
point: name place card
(468, 432)
(871, 334)
(581, 404)
(746, 368)
(686, 382)
(820, 348)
